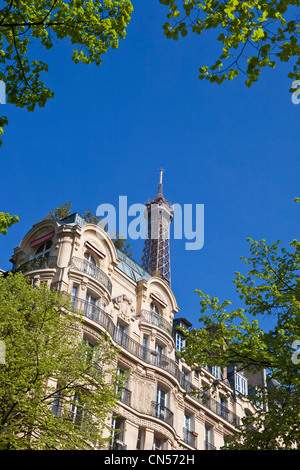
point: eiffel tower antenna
(160, 186)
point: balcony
(46, 262)
(149, 356)
(161, 412)
(163, 362)
(91, 270)
(186, 384)
(126, 342)
(220, 409)
(209, 402)
(156, 320)
(95, 313)
(189, 437)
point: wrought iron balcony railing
(126, 342)
(95, 313)
(84, 266)
(209, 402)
(163, 362)
(153, 357)
(186, 384)
(219, 409)
(189, 437)
(147, 355)
(161, 412)
(155, 319)
(45, 262)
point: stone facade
(158, 408)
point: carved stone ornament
(124, 304)
(84, 284)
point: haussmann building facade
(157, 408)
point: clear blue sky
(110, 128)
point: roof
(183, 320)
(131, 267)
(75, 219)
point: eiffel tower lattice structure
(156, 250)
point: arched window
(43, 250)
(89, 264)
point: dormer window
(154, 308)
(216, 371)
(179, 342)
(89, 264)
(89, 258)
(44, 250)
(241, 384)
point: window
(159, 407)
(140, 439)
(145, 346)
(186, 381)
(158, 355)
(223, 407)
(209, 438)
(188, 431)
(154, 308)
(158, 443)
(74, 291)
(159, 349)
(90, 307)
(89, 258)
(120, 336)
(160, 404)
(74, 296)
(90, 298)
(77, 410)
(56, 405)
(117, 433)
(241, 384)
(179, 343)
(216, 371)
(90, 349)
(187, 422)
(44, 250)
(122, 388)
(161, 396)
(89, 265)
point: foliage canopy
(56, 392)
(270, 290)
(92, 27)
(253, 34)
(6, 221)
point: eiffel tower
(156, 250)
